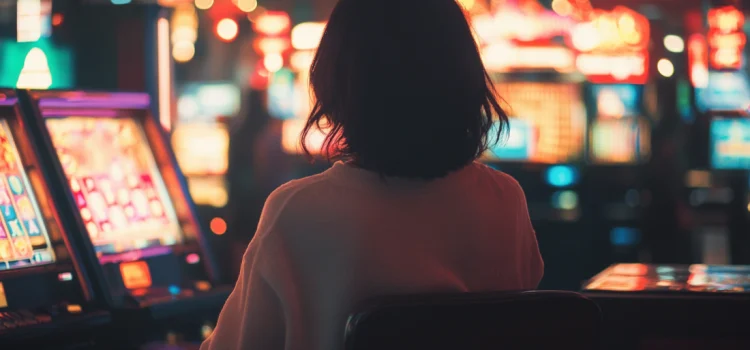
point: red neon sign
(613, 47)
(698, 60)
(726, 40)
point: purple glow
(96, 100)
(135, 255)
(80, 112)
(8, 101)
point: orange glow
(621, 29)
(555, 114)
(505, 57)
(726, 19)
(613, 46)
(218, 226)
(57, 19)
(306, 36)
(273, 23)
(698, 60)
(227, 29)
(267, 46)
(630, 269)
(164, 73)
(290, 136)
(726, 40)
(135, 275)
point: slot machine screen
(24, 240)
(549, 119)
(730, 143)
(620, 141)
(116, 184)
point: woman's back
(331, 241)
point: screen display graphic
(115, 183)
(730, 140)
(550, 121)
(23, 237)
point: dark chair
(473, 321)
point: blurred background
(628, 133)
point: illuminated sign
(725, 91)
(33, 18)
(522, 38)
(616, 101)
(500, 58)
(519, 144)
(620, 141)
(726, 39)
(730, 139)
(273, 23)
(613, 46)
(551, 118)
(207, 101)
(135, 275)
(698, 60)
(281, 91)
(43, 64)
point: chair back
(476, 321)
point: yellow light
(665, 67)
(674, 43)
(227, 29)
(301, 60)
(35, 73)
(306, 36)
(74, 308)
(273, 62)
(246, 5)
(164, 73)
(183, 51)
(204, 4)
(467, 4)
(562, 7)
(29, 20)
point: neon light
(273, 23)
(499, 58)
(561, 176)
(306, 36)
(35, 73)
(624, 68)
(613, 46)
(698, 60)
(164, 73)
(726, 40)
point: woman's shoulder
(502, 179)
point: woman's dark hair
(401, 88)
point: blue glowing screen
(561, 176)
(624, 236)
(518, 145)
(730, 141)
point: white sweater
(328, 242)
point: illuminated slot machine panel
(42, 287)
(547, 123)
(202, 151)
(129, 199)
(730, 143)
(625, 140)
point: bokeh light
(665, 67)
(674, 43)
(227, 29)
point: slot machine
(619, 147)
(200, 139)
(717, 186)
(117, 178)
(534, 75)
(46, 300)
(619, 131)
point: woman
(401, 86)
